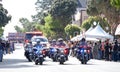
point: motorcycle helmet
(60, 40)
(83, 39)
(54, 40)
(38, 41)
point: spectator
(110, 52)
(1, 50)
(119, 51)
(8, 47)
(115, 50)
(107, 47)
(99, 50)
(95, 51)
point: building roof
(82, 3)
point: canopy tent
(79, 37)
(91, 28)
(94, 35)
(117, 32)
(98, 32)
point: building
(81, 13)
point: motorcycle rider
(38, 46)
(28, 50)
(29, 45)
(83, 45)
(61, 42)
(53, 42)
(83, 42)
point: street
(16, 62)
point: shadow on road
(14, 63)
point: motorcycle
(62, 55)
(29, 54)
(52, 53)
(39, 56)
(83, 54)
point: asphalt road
(16, 62)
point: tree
(104, 8)
(4, 17)
(1, 31)
(89, 22)
(71, 30)
(115, 3)
(63, 10)
(18, 29)
(54, 26)
(43, 6)
(27, 25)
(47, 32)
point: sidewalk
(14, 58)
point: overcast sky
(18, 9)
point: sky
(18, 9)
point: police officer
(53, 42)
(61, 42)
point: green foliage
(71, 29)
(4, 18)
(53, 26)
(63, 10)
(27, 25)
(18, 29)
(89, 22)
(115, 3)
(39, 27)
(104, 7)
(1, 31)
(43, 6)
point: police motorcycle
(53, 52)
(83, 53)
(62, 54)
(62, 51)
(39, 55)
(29, 52)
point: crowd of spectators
(6, 47)
(101, 50)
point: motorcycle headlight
(81, 50)
(62, 51)
(54, 50)
(40, 51)
(75, 49)
(33, 43)
(48, 45)
(85, 50)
